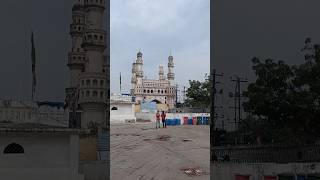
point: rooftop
(36, 128)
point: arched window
(148, 91)
(13, 148)
(88, 82)
(101, 94)
(95, 94)
(114, 108)
(151, 91)
(95, 82)
(144, 91)
(101, 82)
(87, 93)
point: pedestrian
(157, 119)
(163, 116)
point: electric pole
(213, 140)
(237, 99)
(214, 91)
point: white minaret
(133, 78)
(138, 68)
(92, 90)
(76, 57)
(170, 69)
(161, 73)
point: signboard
(149, 107)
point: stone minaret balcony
(170, 76)
(92, 88)
(95, 3)
(76, 29)
(76, 59)
(94, 38)
(78, 22)
(77, 5)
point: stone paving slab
(141, 152)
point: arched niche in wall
(13, 148)
(114, 108)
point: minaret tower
(133, 78)
(93, 91)
(170, 69)
(138, 68)
(76, 56)
(161, 73)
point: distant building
(46, 113)
(162, 90)
(121, 108)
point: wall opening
(13, 148)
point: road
(141, 152)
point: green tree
(284, 101)
(198, 94)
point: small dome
(139, 54)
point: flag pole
(33, 61)
(120, 83)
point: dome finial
(139, 54)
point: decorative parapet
(76, 29)
(76, 58)
(121, 98)
(94, 3)
(94, 38)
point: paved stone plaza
(141, 152)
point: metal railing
(268, 153)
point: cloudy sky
(158, 27)
(154, 26)
(50, 22)
(242, 29)
(265, 29)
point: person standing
(163, 116)
(157, 119)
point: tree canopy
(284, 101)
(198, 94)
